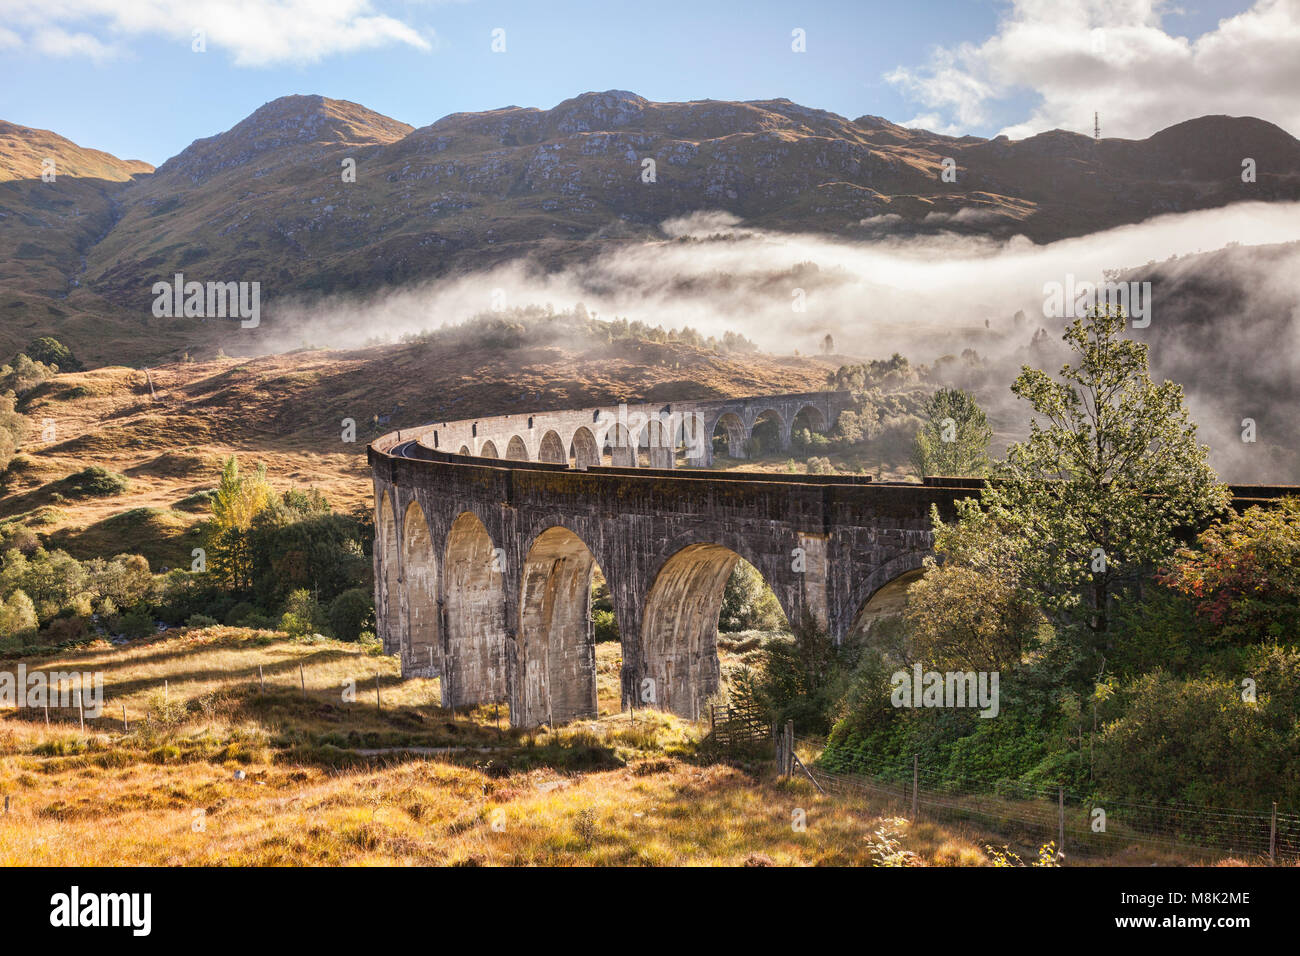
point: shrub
(351, 613)
(134, 624)
(94, 482)
(51, 351)
(748, 604)
(17, 618)
(200, 620)
(604, 625)
(302, 614)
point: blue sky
(130, 84)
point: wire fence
(1077, 822)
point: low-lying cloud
(924, 296)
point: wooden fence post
(1272, 836)
(124, 725)
(916, 779)
(81, 712)
(261, 679)
(379, 706)
(1060, 819)
(302, 679)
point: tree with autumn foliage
(238, 500)
(1243, 577)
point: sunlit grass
(214, 770)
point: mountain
(267, 200)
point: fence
(1074, 821)
(733, 724)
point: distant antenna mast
(1096, 127)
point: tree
(1110, 474)
(239, 499)
(748, 604)
(1244, 575)
(51, 351)
(13, 429)
(970, 610)
(955, 437)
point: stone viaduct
(488, 532)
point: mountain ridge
(266, 199)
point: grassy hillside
(287, 411)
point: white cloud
(1113, 57)
(55, 42)
(254, 32)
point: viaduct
(488, 531)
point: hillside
(266, 200)
(287, 412)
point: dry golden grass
(217, 772)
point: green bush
(604, 625)
(351, 613)
(1196, 740)
(748, 604)
(51, 351)
(302, 615)
(94, 482)
(134, 624)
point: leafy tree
(352, 612)
(51, 351)
(955, 437)
(748, 604)
(23, 374)
(1244, 575)
(1110, 474)
(298, 542)
(239, 499)
(13, 429)
(18, 621)
(802, 678)
(302, 614)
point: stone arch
(422, 643)
(618, 442)
(768, 433)
(809, 417)
(557, 654)
(679, 627)
(464, 450)
(489, 450)
(883, 591)
(585, 452)
(731, 441)
(658, 441)
(474, 667)
(516, 450)
(552, 449)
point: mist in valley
(1224, 315)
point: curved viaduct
(488, 531)
(483, 567)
